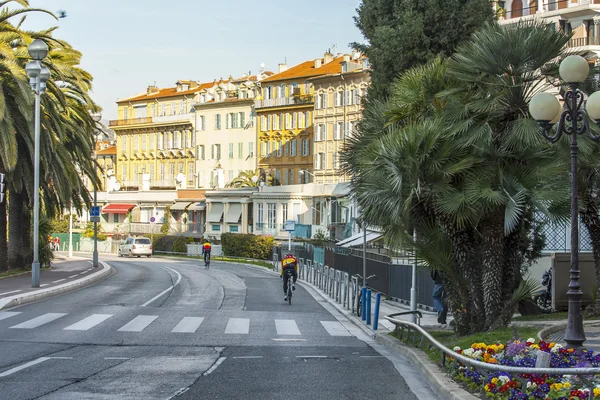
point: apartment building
(285, 119)
(225, 129)
(338, 99)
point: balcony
(180, 118)
(585, 41)
(307, 99)
(564, 8)
(132, 121)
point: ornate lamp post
(573, 121)
(38, 76)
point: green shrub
(172, 244)
(247, 245)
(89, 232)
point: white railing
(187, 118)
(284, 101)
(143, 228)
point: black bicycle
(357, 293)
(290, 282)
(206, 260)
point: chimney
(339, 55)
(328, 57)
(346, 57)
(179, 86)
(151, 89)
(282, 67)
(194, 84)
(318, 63)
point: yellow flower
(597, 391)
(495, 380)
(566, 385)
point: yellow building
(155, 138)
(285, 119)
(337, 112)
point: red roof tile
(307, 69)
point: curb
(36, 295)
(561, 326)
(440, 383)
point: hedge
(173, 244)
(247, 245)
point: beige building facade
(229, 210)
(338, 99)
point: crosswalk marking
(39, 321)
(8, 314)
(138, 323)
(286, 327)
(188, 325)
(238, 326)
(334, 328)
(88, 322)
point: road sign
(94, 219)
(95, 211)
(290, 225)
(152, 219)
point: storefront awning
(180, 205)
(215, 213)
(234, 213)
(196, 207)
(115, 208)
(358, 239)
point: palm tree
(250, 178)
(465, 167)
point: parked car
(138, 246)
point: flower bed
(523, 353)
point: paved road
(167, 329)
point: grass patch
(449, 339)
(555, 316)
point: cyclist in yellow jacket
(289, 263)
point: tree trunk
(493, 266)
(591, 220)
(16, 259)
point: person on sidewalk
(56, 243)
(438, 297)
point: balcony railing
(131, 121)
(187, 118)
(540, 9)
(285, 101)
(259, 226)
(585, 41)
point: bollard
(376, 315)
(368, 305)
(364, 304)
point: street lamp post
(38, 76)
(573, 120)
(97, 117)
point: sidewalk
(66, 274)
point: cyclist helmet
(289, 255)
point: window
(317, 212)
(135, 172)
(191, 172)
(294, 120)
(284, 212)
(285, 178)
(281, 91)
(189, 139)
(293, 147)
(180, 168)
(279, 146)
(321, 133)
(263, 149)
(268, 149)
(202, 123)
(162, 172)
(233, 228)
(339, 98)
(320, 161)
(338, 131)
(263, 122)
(216, 152)
(216, 228)
(176, 141)
(125, 112)
(287, 148)
(349, 128)
(136, 143)
(144, 141)
(152, 139)
(200, 152)
(251, 149)
(288, 121)
(272, 215)
(116, 218)
(259, 214)
(321, 101)
(308, 121)
(306, 147)
(151, 172)
(124, 143)
(349, 97)
(230, 150)
(240, 150)
(336, 160)
(242, 118)
(163, 109)
(170, 140)
(278, 177)
(269, 122)
(306, 178)
(281, 122)
(291, 176)
(218, 121)
(172, 171)
(124, 172)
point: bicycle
(357, 293)
(290, 282)
(206, 260)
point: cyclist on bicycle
(289, 263)
(206, 251)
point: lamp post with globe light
(573, 121)
(38, 76)
(96, 117)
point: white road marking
(238, 326)
(45, 284)
(188, 325)
(39, 321)
(214, 366)
(14, 291)
(138, 323)
(286, 327)
(288, 340)
(166, 290)
(88, 322)
(371, 356)
(72, 276)
(31, 363)
(311, 356)
(334, 328)
(8, 314)
(83, 273)
(116, 358)
(248, 357)
(60, 280)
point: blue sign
(152, 219)
(95, 211)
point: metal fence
(558, 238)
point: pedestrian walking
(56, 243)
(438, 297)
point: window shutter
(243, 119)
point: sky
(129, 44)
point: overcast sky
(128, 44)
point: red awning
(117, 208)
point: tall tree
(402, 34)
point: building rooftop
(306, 69)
